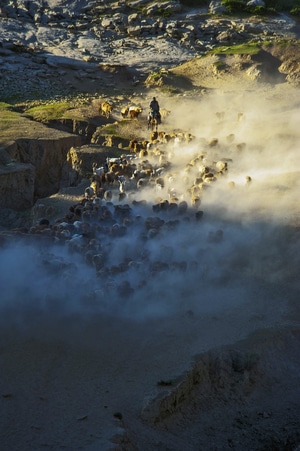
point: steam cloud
(241, 249)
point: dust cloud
(241, 252)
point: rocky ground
(206, 360)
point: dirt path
(75, 382)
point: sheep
(143, 153)
(105, 109)
(160, 183)
(89, 192)
(241, 146)
(109, 177)
(230, 138)
(122, 186)
(153, 136)
(97, 170)
(107, 195)
(137, 147)
(112, 160)
(134, 112)
(95, 186)
(213, 142)
(164, 113)
(220, 115)
(124, 112)
(143, 181)
(195, 201)
(221, 165)
(182, 207)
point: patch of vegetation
(161, 12)
(49, 112)
(295, 11)
(271, 6)
(170, 90)
(282, 5)
(251, 48)
(8, 117)
(258, 10)
(117, 129)
(4, 106)
(154, 78)
(234, 6)
(283, 43)
(110, 129)
(168, 82)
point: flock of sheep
(137, 218)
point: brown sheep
(105, 109)
(134, 112)
(161, 136)
(115, 167)
(153, 136)
(143, 153)
(109, 177)
(132, 144)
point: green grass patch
(170, 90)
(8, 117)
(49, 112)
(110, 129)
(5, 106)
(241, 49)
(154, 77)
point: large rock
(80, 159)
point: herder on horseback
(154, 117)
(154, 110)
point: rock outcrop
(34, 168)
(43, 42)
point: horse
(154, 119)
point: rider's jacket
(154, 106)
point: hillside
(161, 310)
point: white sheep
(89, 192)
(122, 183)
(107, 196)
(98, 170)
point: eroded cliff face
(48, 156)
(17, 183)
(33, 168)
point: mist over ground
(243, 248)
